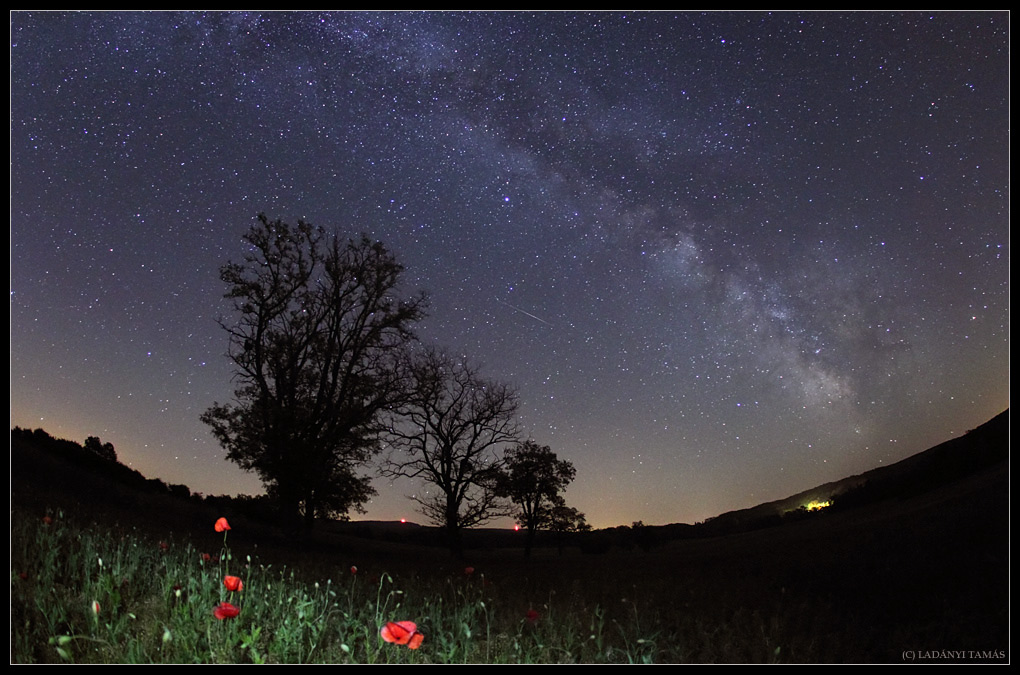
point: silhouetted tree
(643, 535)
(566, 519)
(449, 433)
(532, 480)
(100, 449)
(315, 340)
(180, 491)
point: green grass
(155, 602)
(926, 572)
(850, 588)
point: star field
(725, 257)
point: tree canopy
(100, 449)
(317, 332)
(533, 478)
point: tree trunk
(529, 541)
(453, 533)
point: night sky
(724, 257)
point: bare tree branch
(449, 433)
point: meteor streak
(518, 309)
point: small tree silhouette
(100, 449)
(566, 519)
(532, 479)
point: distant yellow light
(815, 506)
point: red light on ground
(517, 527)
(403, 520)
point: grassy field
(922, 579)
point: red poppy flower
(532, 616)
(233, 583)
(206, 557)
(163, 546)
(225, 610)
(95, 607)
(222, 525)
(47, 520)
(402, 633)
(468, 571)
(354, 570)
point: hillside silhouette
(46, 469)
(937, 467)
(910, 556)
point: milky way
(724, 257)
